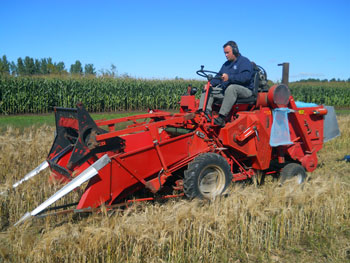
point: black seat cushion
(249, 100)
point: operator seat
(251, 99)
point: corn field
(329, 93)
(20, 95)
(41, 94)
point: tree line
(45, 66)
(323, 80)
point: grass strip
(23, 121)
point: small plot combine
(161, 155)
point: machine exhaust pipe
(285, 72)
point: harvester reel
(207, 176)
(292, 172)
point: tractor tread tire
(291, 170)
(191, 175)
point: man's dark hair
(234, 47)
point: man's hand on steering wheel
(224, 77)
(205, 87)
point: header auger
(165, 155)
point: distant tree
(113, 70)
(312, 80)
(50, 66)
(125, 76)
(89, 70)
(60, 67)
(332, 80)
(4, 65)
(37, 66)
(56, 68)
(109, 73)
(13, 68)
(29, 66)
(43, 66)
(76, 68)
(20, 67)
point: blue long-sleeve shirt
(239, 72)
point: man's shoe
(207, 115)
(220, 121)
(199, 111)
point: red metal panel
(263, 120)
(188, 103)
(306, 129)
(135, 167)
(63, 161)
(98, 190)
(249, 135)
(68, 122)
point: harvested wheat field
(269, 223)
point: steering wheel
(208, 74)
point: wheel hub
(211, 181)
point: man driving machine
(236, 81)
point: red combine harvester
(159, 152)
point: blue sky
(168, 39)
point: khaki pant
(228, 99)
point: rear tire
(207, 176)
(292, 171)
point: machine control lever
(256, 133)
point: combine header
(160, 152)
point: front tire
(207, 176)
